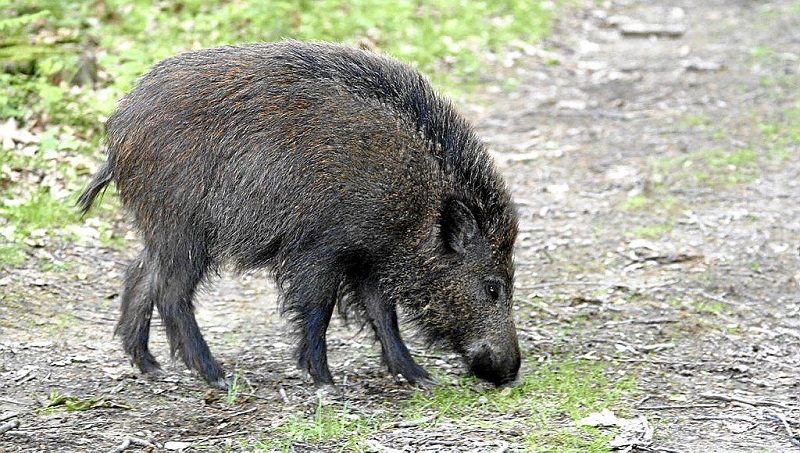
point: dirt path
(657, 184)
(652, 193)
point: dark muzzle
(497, 367)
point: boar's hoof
(425, 383)
(221, 384)
(414, 374)
(148, 366)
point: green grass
(782, 133)
(697, 121)
(40, 211)
(235, 389)
(39, 183)
(652, 231)
(709, 307)
(654, 198)
(704, 124)
(727, 167)
(635, 202)
(13, 254)
(435, 35)
(544, 407)
(761, 52)
(779, 128)
(61, 322)
(713, 168)
(57, 401)
(326, 425)
(447, 39)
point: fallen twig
(642, 321)
(244, 412)
(374, 445)
(410, 423)
(661, 30)
(256, 396)
(10, 401)
(618, 285)
(782, 418)
(141, 442)
(656, 361)
(282, 393)
(668, 407)
(217, 436)
(121, 447)
(8, 415)
(738, 418)
(738, 399)
(8, 426)
(538, 306)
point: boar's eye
(494, 290)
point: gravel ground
(649, 147)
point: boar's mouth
(497, 367)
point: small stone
(557, 189)
(698, 65)
(571, 104)
(645, 30)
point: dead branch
(668, 407)
(282, 393)
(218, 436)
(8, 426)
(8, 415)
(541, 307)
(782, 418)
(615, 285)
(121, 447)
(641, 321)
(738, 418)
(738, 399)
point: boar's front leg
(383, 317)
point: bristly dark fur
(338, 169)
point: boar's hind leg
(313, 350)
(136, 309)
(175, 284)
(312, 304)
(383, 317)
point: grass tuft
(544, 405)
(539, 413)
(326, 425)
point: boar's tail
(98, 183)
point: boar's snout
(496, 365)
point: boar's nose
(496, 366)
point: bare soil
(641, 245)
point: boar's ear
(458, 226)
